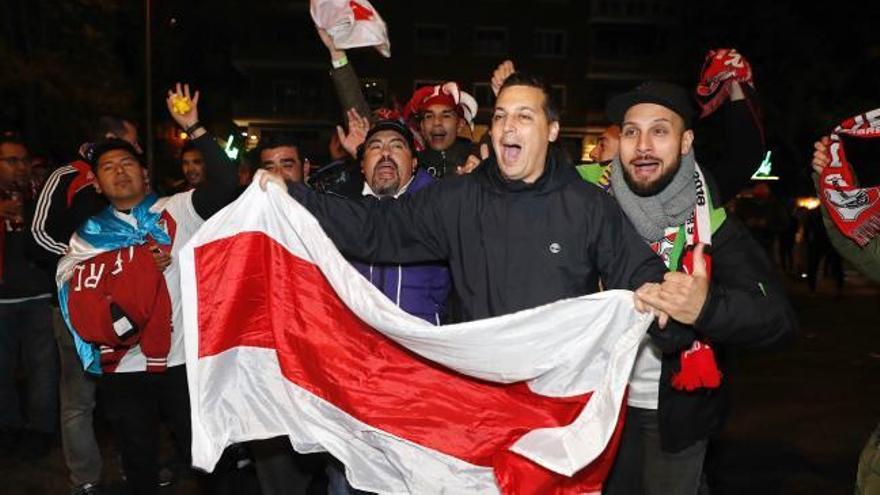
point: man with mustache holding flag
(391, 170)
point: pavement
(801, 415)
(799, 419)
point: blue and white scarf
(99, 234)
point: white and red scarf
(721, 67)
(854, 209)
(676, 249)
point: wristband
(342, 62)
(193, 128)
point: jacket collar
(558, 171)
(418, 181)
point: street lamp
(148, 89)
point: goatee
(650, 189)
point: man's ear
(415, 164)
(554, 131)
(97, 187)
(687, 141)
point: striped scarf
(854, 209)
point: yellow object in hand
(181, 104)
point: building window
(490, 41)
(375, 92)
(421, 83)
(549, 43)
(301, 97)
(432, 39)
(560, 95)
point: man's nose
(507, 125)
(643, 146)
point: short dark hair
(110, 144)
(188, 145)
(389, 125)
(109, 124)
(551, 108)
(11, 137)
(277, 141)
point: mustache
(646, 158)
(387, 161)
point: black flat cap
(671, 96)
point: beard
(652, 188)
(385, 186)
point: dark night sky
(814, 65)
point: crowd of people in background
(67, 227)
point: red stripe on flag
(253, 292)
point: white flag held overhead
(351, 24)
(284, 337)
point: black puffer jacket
(509, 245)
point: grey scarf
(671, 207)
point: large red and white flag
(284, 337)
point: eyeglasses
(16, 161)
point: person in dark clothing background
(341, 175)
(28, 426)
(192, 164)
(819, 247)
(764, 215)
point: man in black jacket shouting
(521, 231)
(726, 295)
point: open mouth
(386, 170)
(645, 167)
(438, 136)
(510, 152)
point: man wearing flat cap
(720, 289)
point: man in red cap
(440, 113)
(436, 114)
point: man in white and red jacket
(128, 306)
(67, 199)
(119, 292)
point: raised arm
(865, 258)
(743, 145)
(221, 175)
(345, 79)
